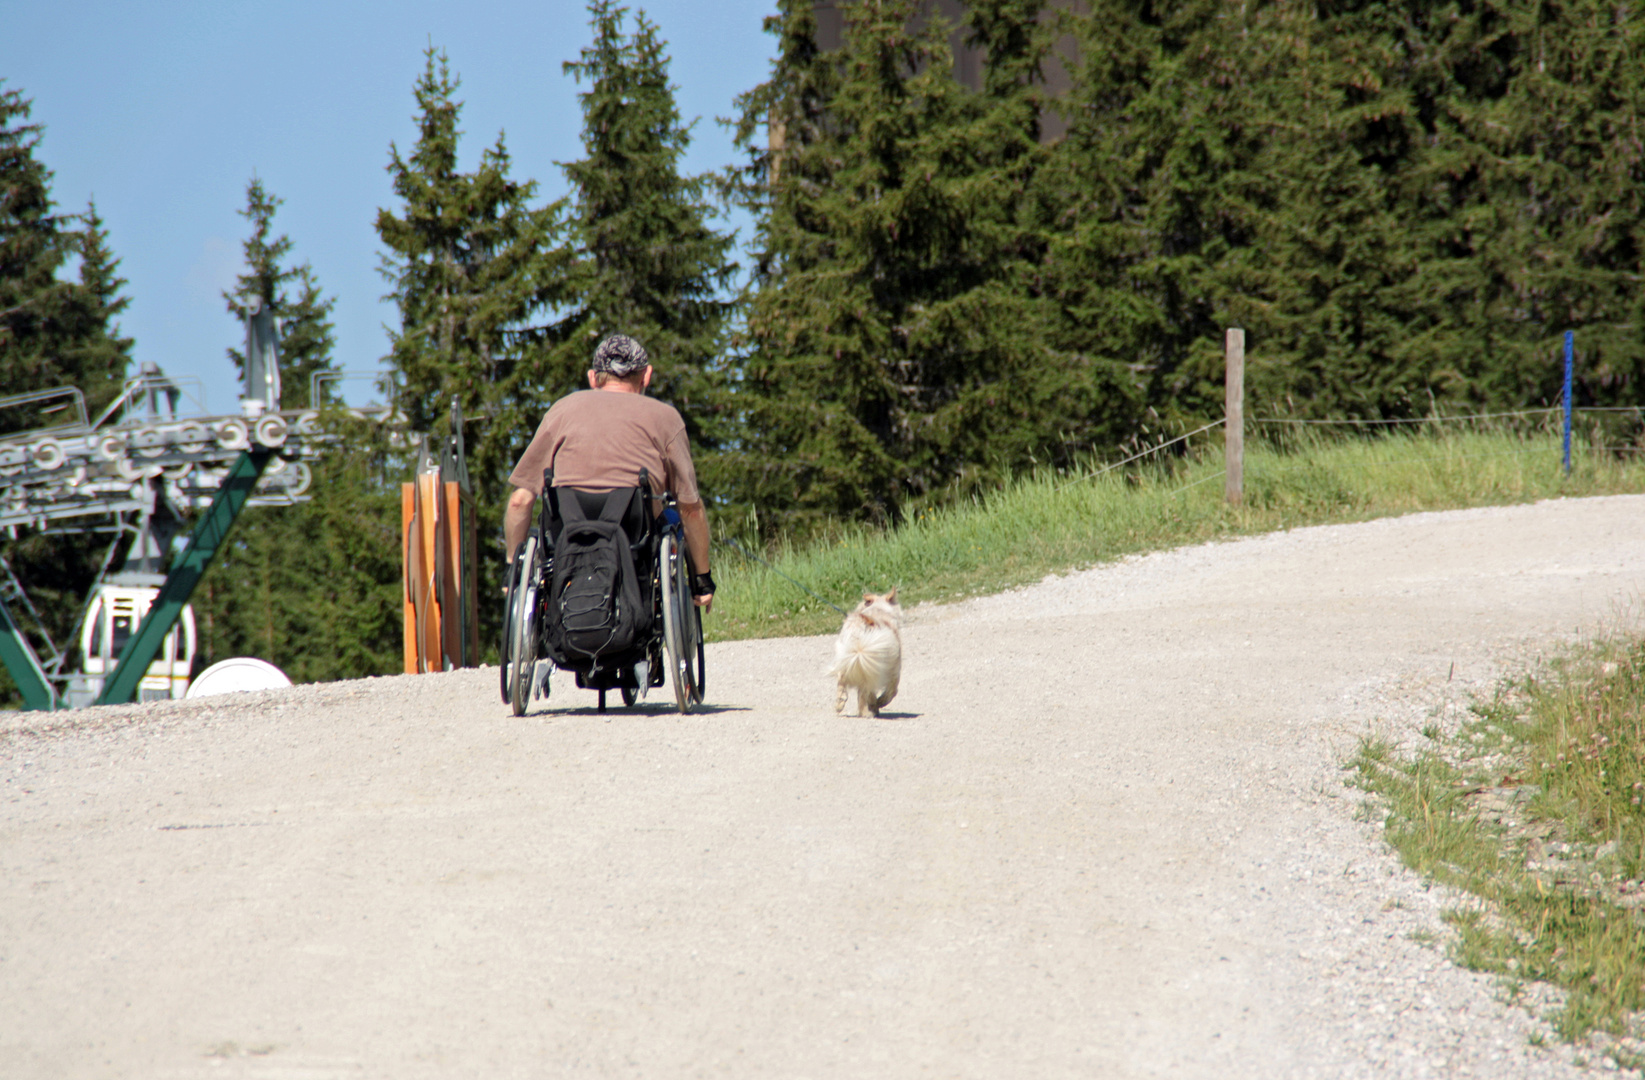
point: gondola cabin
(114, 615)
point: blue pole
(1569, 336)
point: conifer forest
(947, 282)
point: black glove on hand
(702, 584)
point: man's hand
(702, 590)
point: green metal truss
(23, 665)
(203, 545)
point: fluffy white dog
(868, 653)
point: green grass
(1537, 807)
(1053, 523)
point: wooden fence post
(1234, 422)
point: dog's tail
(867, 657)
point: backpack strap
(570, 507)
(616, 505)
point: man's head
(620, 358)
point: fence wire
(1141, 454)
(1253, 468)
(1350, 421)
(1197, 483)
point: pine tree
(102, 357)
(315, 588)
(1332, 239)
(649, 264)
(792, 107)
(1566, 201)
(476, 272)
(1027, 393)
(55, 330)
(41, 316)
(306, 336)
(1145, 199)
(309, 587)
(901, 344)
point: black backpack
(594, 595)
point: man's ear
(647, 383)
(592, 384)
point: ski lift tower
(146, 457)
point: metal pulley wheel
(192, 438)
(270, 430)
(47, 454)
(149, 442)
(303, 477)
(233, 434)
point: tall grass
(1054, 522)
(1537, 807)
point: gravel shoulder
(1102, 832)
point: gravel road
(1102, 833)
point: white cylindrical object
(241, 673)
(111, 447)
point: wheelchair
(670, 652)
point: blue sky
(163, 111)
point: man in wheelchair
(615, 467)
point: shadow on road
(645, 709)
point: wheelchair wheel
(682, 625)
(520, 662)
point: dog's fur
(868, 653)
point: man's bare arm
(694, 520)
(517, 519)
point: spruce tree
(289, 581)
(41, 314)
(475, 270)
(56, 329)
(1332, 238)
(477, 275)
(1566, 194)
(649, 264)
(1145, 199)
(101, 357)
(315, 588)
(291, 293)
(901, 347)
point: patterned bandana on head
(620, 356)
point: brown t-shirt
(600, 439)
